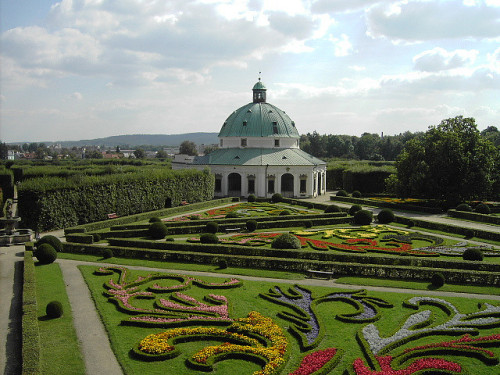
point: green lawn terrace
(248, 210)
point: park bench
(320, 274)
(112, 215)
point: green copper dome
(259, 119)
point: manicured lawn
(60, 352)
(339, 314)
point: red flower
(419, 364)
(314, 361)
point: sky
(85, 69)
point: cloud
(342, 45)
(298, 26)
(438, 59)
(328, 6)
(76, 96)
(414, 21)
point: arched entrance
(234, 185)
(287, 185)
(320, 183)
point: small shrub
(194, 217)
(252, 198)
(209, 238)
(482, 208)
(251, 225)
(363, 217)
(469, 233)
(308, 223)
(354, 208)
(356, 194)
(286, 241)
(410, 224)
(473, 254)
(157, 231)
(107, 253)
(96, 237)
(285, 212)
(342, 193)
(51, 240)
(155, 219)
(54, 310)
(437, 280)
(464, 207)
(222, 263)
(385, 216)
(211, 227)
(232, 215)
(46, 253)
(170, 239)
(332, 208)
(276, 198)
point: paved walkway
(95, 346)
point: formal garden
(167, 322)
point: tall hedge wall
(52, 203)
(365, 176)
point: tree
(188, 148)
(451, 162)
(208, 149)
(139, 153)
(3, 151)
(161, 154)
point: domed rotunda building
(259, 154)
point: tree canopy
(188, 148)
(452, 162)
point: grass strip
(30, 332)
(60, 352)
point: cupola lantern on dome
(259, 92)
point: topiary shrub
(332, 208)
(410, 224)
(107, 253)
(285, 212)
(209, 238)
(251, 225)
(342, 193)
(96, 237)
(54, 310)
(157, 231)
(51, 240)
(385, 216)
(469, 233)
(155, 219)
(464, 207)
(437, 280)
(354, 208)
(363, 217)
(482, 208)
(222, 263)
(356, 194)
(473, 254)
(286, 241)
(170, 239)
(252, 198)
(194, 217)
(211, 227)
(276, 198)
(46, 253)
(308, 223)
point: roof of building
(258, 157)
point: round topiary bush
(482, 208)
(46, 253)
(107, 253)
(385, 216)
(54, 310)
(464, 207)
(354, 208)
(222, 263)
(157, 231)
(469, 233)
(251, 225)
(342, 193)
(473, 254)
(155, 219)
(332, 208)
(209, 238)
(211, 227)
(252, 198)
(285, 212)
(363, 217)
(356, 194)
(308, 223)
(96, 237)
(276, 198)
(170, 239)
(51, 240)
(410, 224)
(286, 241)
(437, 280)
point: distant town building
(259, 154)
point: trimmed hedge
(475, 216)
(30, 332)
(52, 203)
(393, 206)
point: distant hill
(144, 139)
